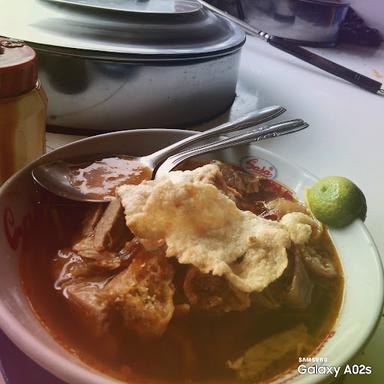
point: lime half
(336, 201)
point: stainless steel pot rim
(190, 31)
(183, 6)
(148, 59)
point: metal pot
(131, 63)
(306, 22)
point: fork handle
(258, 134)
(246, 121)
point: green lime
(336, 201)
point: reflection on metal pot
(90, 94)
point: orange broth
(194, 348)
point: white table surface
(344, 138)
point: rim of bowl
(59, 365)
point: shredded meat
(230, 180)
(299, 293)
(266, 299)
(280, 207)
(213, 293)
(85, 246)
(293, 290)
(238, 180)
(79, 268)
(318, 263)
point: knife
(303, 54)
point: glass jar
(23, 108)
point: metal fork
(261, 133)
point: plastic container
(23, 108)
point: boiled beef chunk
(91, 219)
(111, 232)
(86, 300)
(143, 294)
(104, 233)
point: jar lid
(18, 68)
(121, 29)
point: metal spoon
(55, 176)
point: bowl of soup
(214, 273)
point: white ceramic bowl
(363, 295)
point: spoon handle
(246, 121)
(258, 134)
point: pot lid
(143, 29)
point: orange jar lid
(18, 68)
